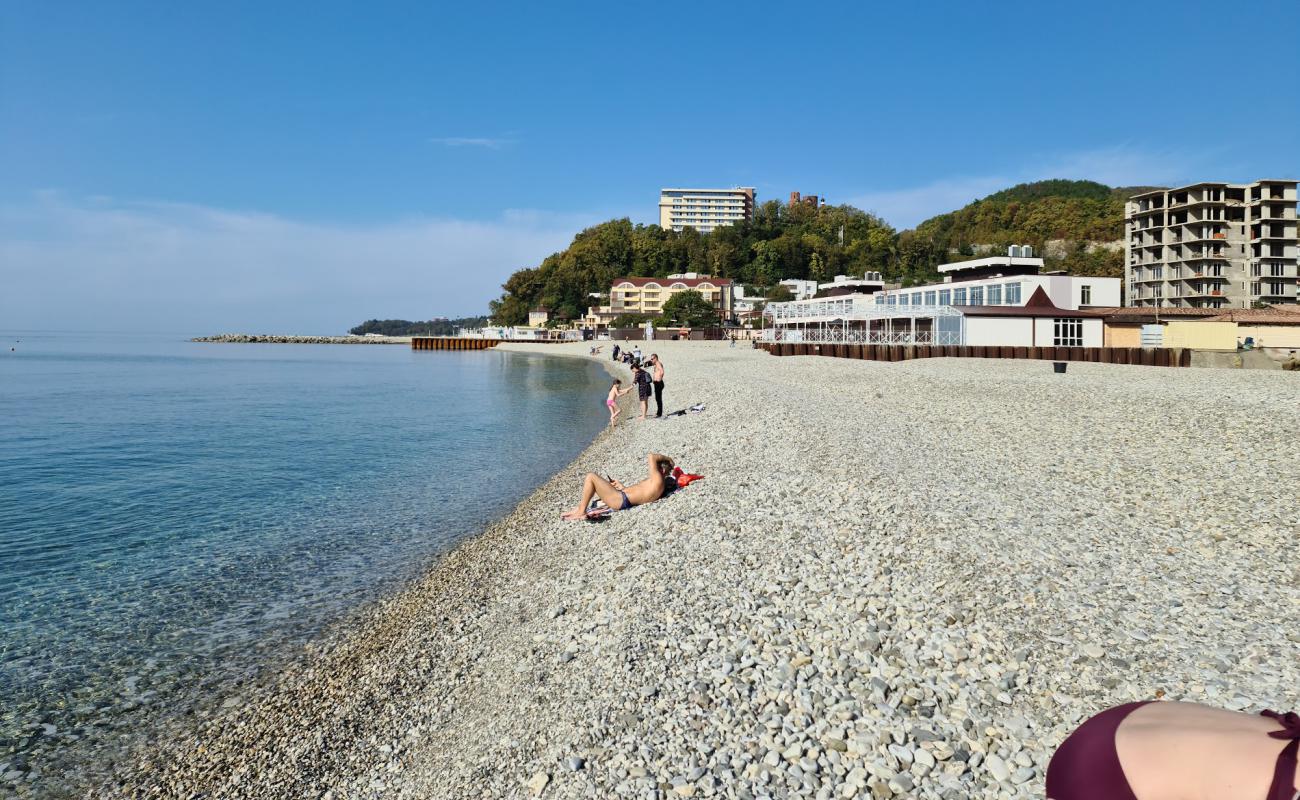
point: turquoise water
(175, 516)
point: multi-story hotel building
(1212, 245)
(704, 209)
(648, 295)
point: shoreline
(347, 647)
(73, 761)
(887, 584)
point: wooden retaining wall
(1147, 357)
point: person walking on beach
(615, 352)
(611, 400)
(657, 380)
(618, 497)
(642, 380)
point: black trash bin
(1059, 366)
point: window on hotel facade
(945, 297)
(995, 295)
(1067, 332)
(1013, 294)
(959, 297)
(1085, 295)
(930, 298)
(977, 295)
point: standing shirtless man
(657, 483)
(657, 380)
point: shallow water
(175, 516)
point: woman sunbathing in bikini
(618, 497)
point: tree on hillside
(689, 309)
(817, 268)
(780, 294)
(629, 320)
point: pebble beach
(906, 579)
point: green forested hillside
(781, 242)
(798, 241)
(1071, 214)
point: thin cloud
(472, 141)
(1114, 166)
(160, 266)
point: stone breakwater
(255, 338)
(896, 580)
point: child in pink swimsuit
(611, 401)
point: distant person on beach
(616, 352)
(618, 497)
(611, 400)
(643, 383)
(1155, 750)
(657, 380)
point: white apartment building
(1212, 245)
(1002, 300)
(704, 209)
(802, 290)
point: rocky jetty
(256, 338)
(896, 580)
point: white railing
(854, 308)
(849, 336)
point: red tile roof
(1119, 313)
(1258, 316)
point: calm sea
(175, 516)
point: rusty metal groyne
(880, 352)
(466, 343)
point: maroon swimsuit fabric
(1284, 772)
(1086, 765)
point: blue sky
(303, 166)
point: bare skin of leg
(613, 414)
(645, 406)
(594, 485)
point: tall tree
(689, 309)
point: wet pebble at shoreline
(896, 580)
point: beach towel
(681, 412)
(685, 478)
